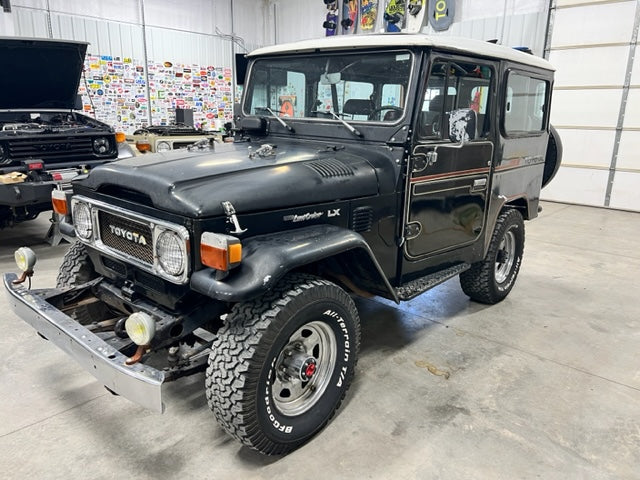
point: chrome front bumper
(139, 383)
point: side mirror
(252, 124)
(462, 125)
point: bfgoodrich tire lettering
(491, 280)
(261, 353)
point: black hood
(195, 183)
(39, 73)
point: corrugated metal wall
(596, 105)
(596, 100)
(513, 22)
(184, 31)
(151, 32)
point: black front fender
(268, 258)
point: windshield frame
(407, 102)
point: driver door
(449, 182)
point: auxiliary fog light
(25, 259)
(140, 327)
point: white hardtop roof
(455, 44)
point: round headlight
(170, 251)
(101, 145)
(140, 327)
(163, 147)
(82, 220)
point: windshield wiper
(352, 129)
(282, 122)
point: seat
(358, 106)
(431, 120)
(435, 105)
(391, 116)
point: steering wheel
(375, 111)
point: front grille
(52, 148)
(114, 266)
(150, 281)
(178, 145)
(127, 236)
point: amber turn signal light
(143, 146)
(59, 201)
(221, 252)
(120, 137)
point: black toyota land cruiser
(367, 165)
(43, 141)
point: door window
(467, 85)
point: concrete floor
(545, 385)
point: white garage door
(596, 105)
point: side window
(524, 104)
(467, 85)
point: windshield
(357, 87)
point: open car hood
(40, 73)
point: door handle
(479, 184)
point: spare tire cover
(553, 157)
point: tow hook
(140, 351)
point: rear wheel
(282, 364)
(491, 280)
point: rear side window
(525, 104)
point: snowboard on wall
(416, 10)
(349, 16)
(394, 15)
(368, 15)
(331, 20)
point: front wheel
(282, 364)
(76, 269)
(491, 280)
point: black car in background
(43, 140)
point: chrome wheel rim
(505, 257)
(294, 391)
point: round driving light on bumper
(101, 145)
(82, 220)
(25, 259)
(140, 327)
(163, 147)
(171, 252)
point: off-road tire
(480, 281)
(241, 376)
(77, 269)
